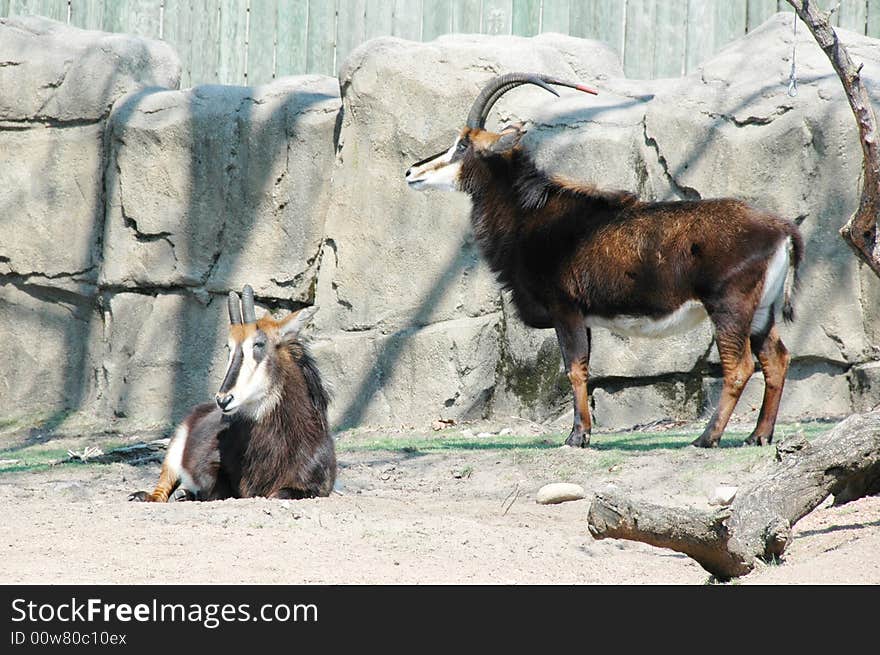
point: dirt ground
(454, 506)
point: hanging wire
(792, 76)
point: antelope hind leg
(574, 341)
(774, 358)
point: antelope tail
(792, 279)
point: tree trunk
(860, 232)
(757, 525)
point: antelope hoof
(183, 495)
(578, 438)
(758, 440)
(141, 497)
(704, 441)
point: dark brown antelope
(575, 257)
(266, 434)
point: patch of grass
(613, 447)
(416, 444)
(32, 458)
(40, 456)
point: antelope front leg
(168, 482)
(574, 342)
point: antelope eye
(259, 345)
(462, 146)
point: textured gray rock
(50, 72)
(621, 405)
(50, 337)
(866, 386)
(50, 200)
(220, 186)
(443, 371)
(812, 390)
(163, 354)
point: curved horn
(234, 309)
(247, 304)
(500, 85)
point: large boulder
(219, 186)
(53, 73)
(59, 83)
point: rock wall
(129, 208)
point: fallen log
(728, 542)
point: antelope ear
(293, 324)
(509, 139)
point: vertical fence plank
(88, 14)
(321, 37)
(177, 31)
(407, 20)
(466, 16)
(54, 9)
(291, 37)
(602, 20)
(555, 16)
(262, 27)
(730, 22)
(699, 35)
(379, 20)
(141, 17)
(670, 24)
(205, 52)
(853, 15)
(232, 42)
(526, 17)
(350, 27)
(758, 11)
(782, 5)
(436, 18)
(640, 38)
(873, 20)
(497, 16)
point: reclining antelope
(266, 433)
(575, 257)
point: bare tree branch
(757, 525)
(860, 232)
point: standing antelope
(266, 434)
(575, 257)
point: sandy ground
(412, 515)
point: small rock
(505, 432)
(485, 435)
(723, 495)
(442, 423)
(559, 492)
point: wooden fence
(254, 41)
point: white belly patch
(174, 458)
(685, 318)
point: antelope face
(440, 171)
(443, 170)
(247, 383)
(257, 352)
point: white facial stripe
(252, 391)
(439, 173)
